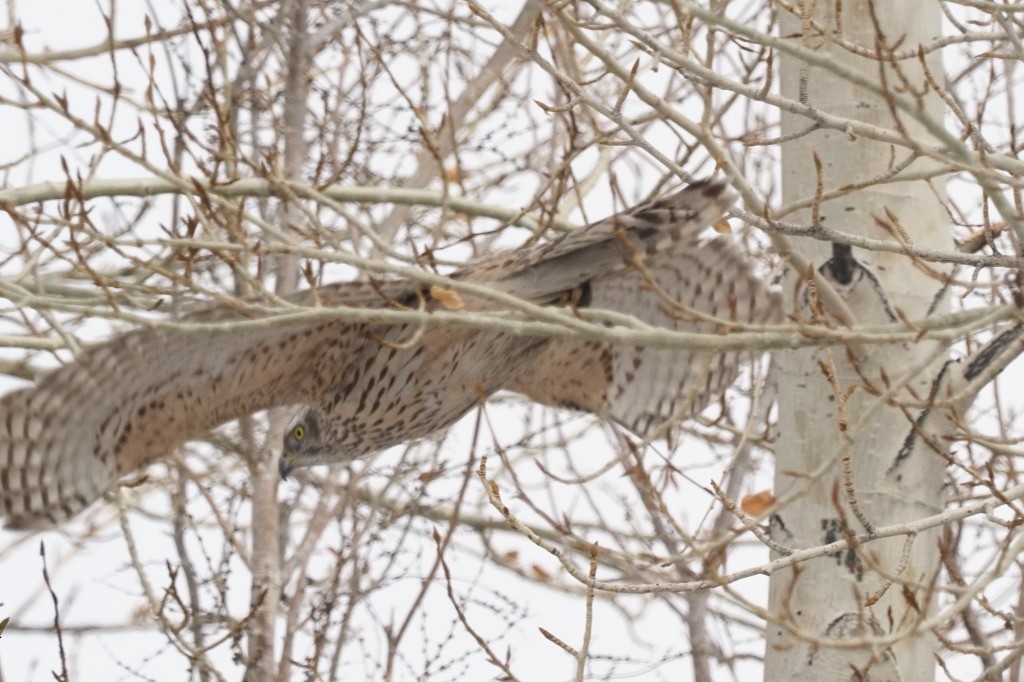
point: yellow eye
(299, 433)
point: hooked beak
(284, 466)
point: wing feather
(599, 249)
(124, 403)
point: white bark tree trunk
(893, 476)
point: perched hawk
(366, 386)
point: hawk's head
(308, 440)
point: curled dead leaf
(428, 476)
(449, 300)
(757, 504)
(722, 227)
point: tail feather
(648, 389)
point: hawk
(126, 403)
